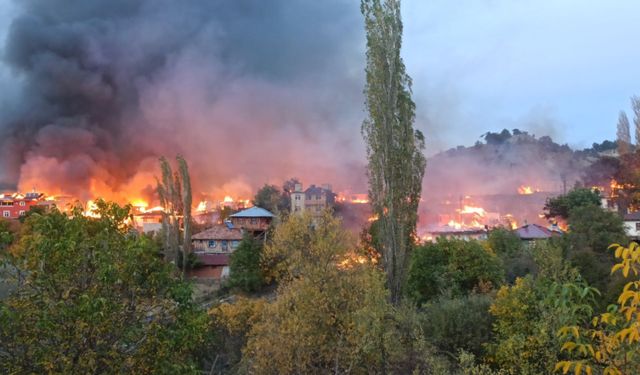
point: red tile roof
(219, 232)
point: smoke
(248, 91)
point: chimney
(297, 188)
(326, 187)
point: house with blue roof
(255, 220)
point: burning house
(15, 205)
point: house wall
(631, 227)
(215, 246)
(297, 201)
(251, 223)
(13, 209)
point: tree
(562, 205)
(458, 323)
(270, 198)
(186, 207)
(394, 148)
(328, 313)
(504, 242)
(454, 265)
(174, 191)
(591, 230)
(611, 342)
(168, 192)
(244, 265)
(623, 134)
(527, 317)
(93, 297)
(635, 105)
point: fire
(360, 201)
(227, 199)
(139, 203)
(473, 210)
(527, 190)
(455, 224)
(352, 198)
(372, 218)
(202, 206)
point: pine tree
(394, 148)
(624, 134)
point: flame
(473, 210)
(91, 209)
(455, 224)
(139, 203)
(372, 218)
(525, 190)
(202, 206)
(360, 201)
(227, 199)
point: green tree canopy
(94, 297)
(244, 265)
(562, 205)
(271, 198)
(455, 265)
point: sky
(558, 68)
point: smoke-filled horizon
(254, 92)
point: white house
(632, 225)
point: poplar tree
(186, 209)
(174, 191)
(635, 105)
(623, 134)
(394, 148)
(167, 193)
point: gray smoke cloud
(249, 91)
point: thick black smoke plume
(245, 89)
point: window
(22, 212)
(235, 244)
(254, 221)
(224, 245)
(22, 203)
(297, 197)
(637, 226)
(6, 213)
(212, 244)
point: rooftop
(219, 232)
(535, 232)
(253, 212)
(632, 216)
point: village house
(465, 234)
(212, 247)
(12, 206)
(255, 220)
(313, 200)
(529, 233)
(632, 225)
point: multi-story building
(315, 199)
(12, 206)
